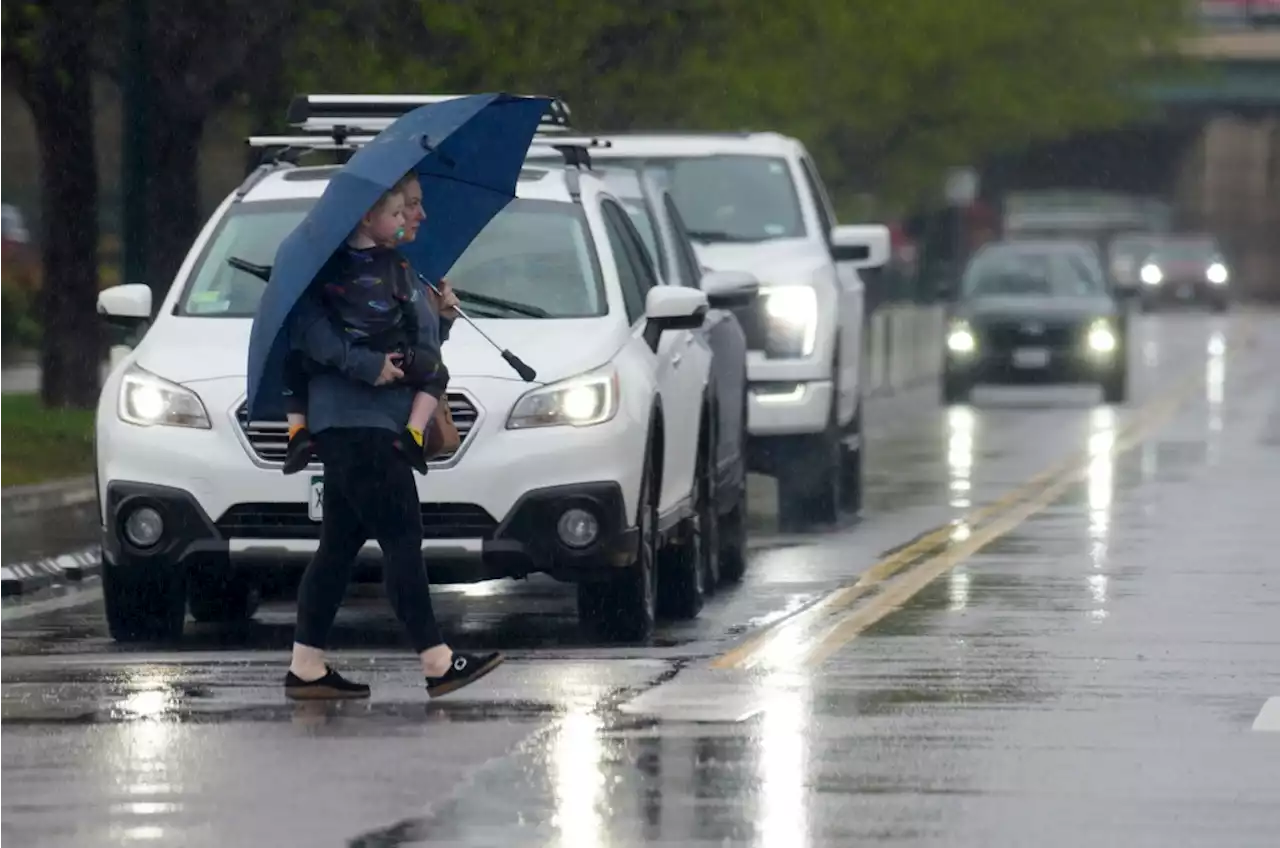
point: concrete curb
(24, 500)
(22, 578)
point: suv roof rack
(356, 113)
(575, 150)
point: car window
(826, 215)
(732, 197)
(1192, 250)
(638, 211)
(1008, 273)
(629, 273)
(536, 252)
(686, 259)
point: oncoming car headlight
(791, 320)
(1151, 274)
(1216, 273)
(960, 337)
(1101, 338)
(580, 401)
(150, 401)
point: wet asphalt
(1092, 676)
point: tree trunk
(173, 194)
(57, 87)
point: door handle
(675, 360)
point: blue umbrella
(467, 153)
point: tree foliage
(46, 51)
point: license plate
(1030, 357)
(315, 501)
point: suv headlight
(791, 320)
(150, 401)
(1216, 273)
(580, 401)
(1151, 274)
(960, 338)
(1101, 338)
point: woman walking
(356, 411)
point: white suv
(587, 474)
(754, 202)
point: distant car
(1185, 269)
(1034, 313)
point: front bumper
(1006, 366)
(1194, 290)
(461, 542)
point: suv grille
(290, 521)
(270, 438)
(1004, 334)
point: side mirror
(861, 245)
(729, 289)
(127, 310)
(673, 308)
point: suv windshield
(732, 198)
(1014, 273)
(535, 252)
(1190, 250)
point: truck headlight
(1101, 338)
(1151, 274)
(791, 320)
(150, 401)
(580, 401)
(960, 338)
(1216, 273)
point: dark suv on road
(1034, 313)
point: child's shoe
(410, 444)
(297, 455)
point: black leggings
(368, 492)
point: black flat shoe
(466, 669)
(297, 456)
(332, 686)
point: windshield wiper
(713, 235)
(501, 303)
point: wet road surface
(1064, 632)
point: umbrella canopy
(467, 153)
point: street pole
(135, 113)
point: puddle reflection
(1100, 483)
(958, 588)
(578, 775)
(783, 767)
(961, 423)
(1215, 379)
(141, 756)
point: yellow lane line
(785, 640)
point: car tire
(733, 522)
(145, 605)
(809, 482)
(624, 607)
(1115, 387)
(216, 597)
(851, 459)
(689, 570)
(955, 389)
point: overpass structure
(1208, 145)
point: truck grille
(1001, 335)
(290, 521)
(270, 438)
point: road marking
(809, 636)
(1268, 719)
